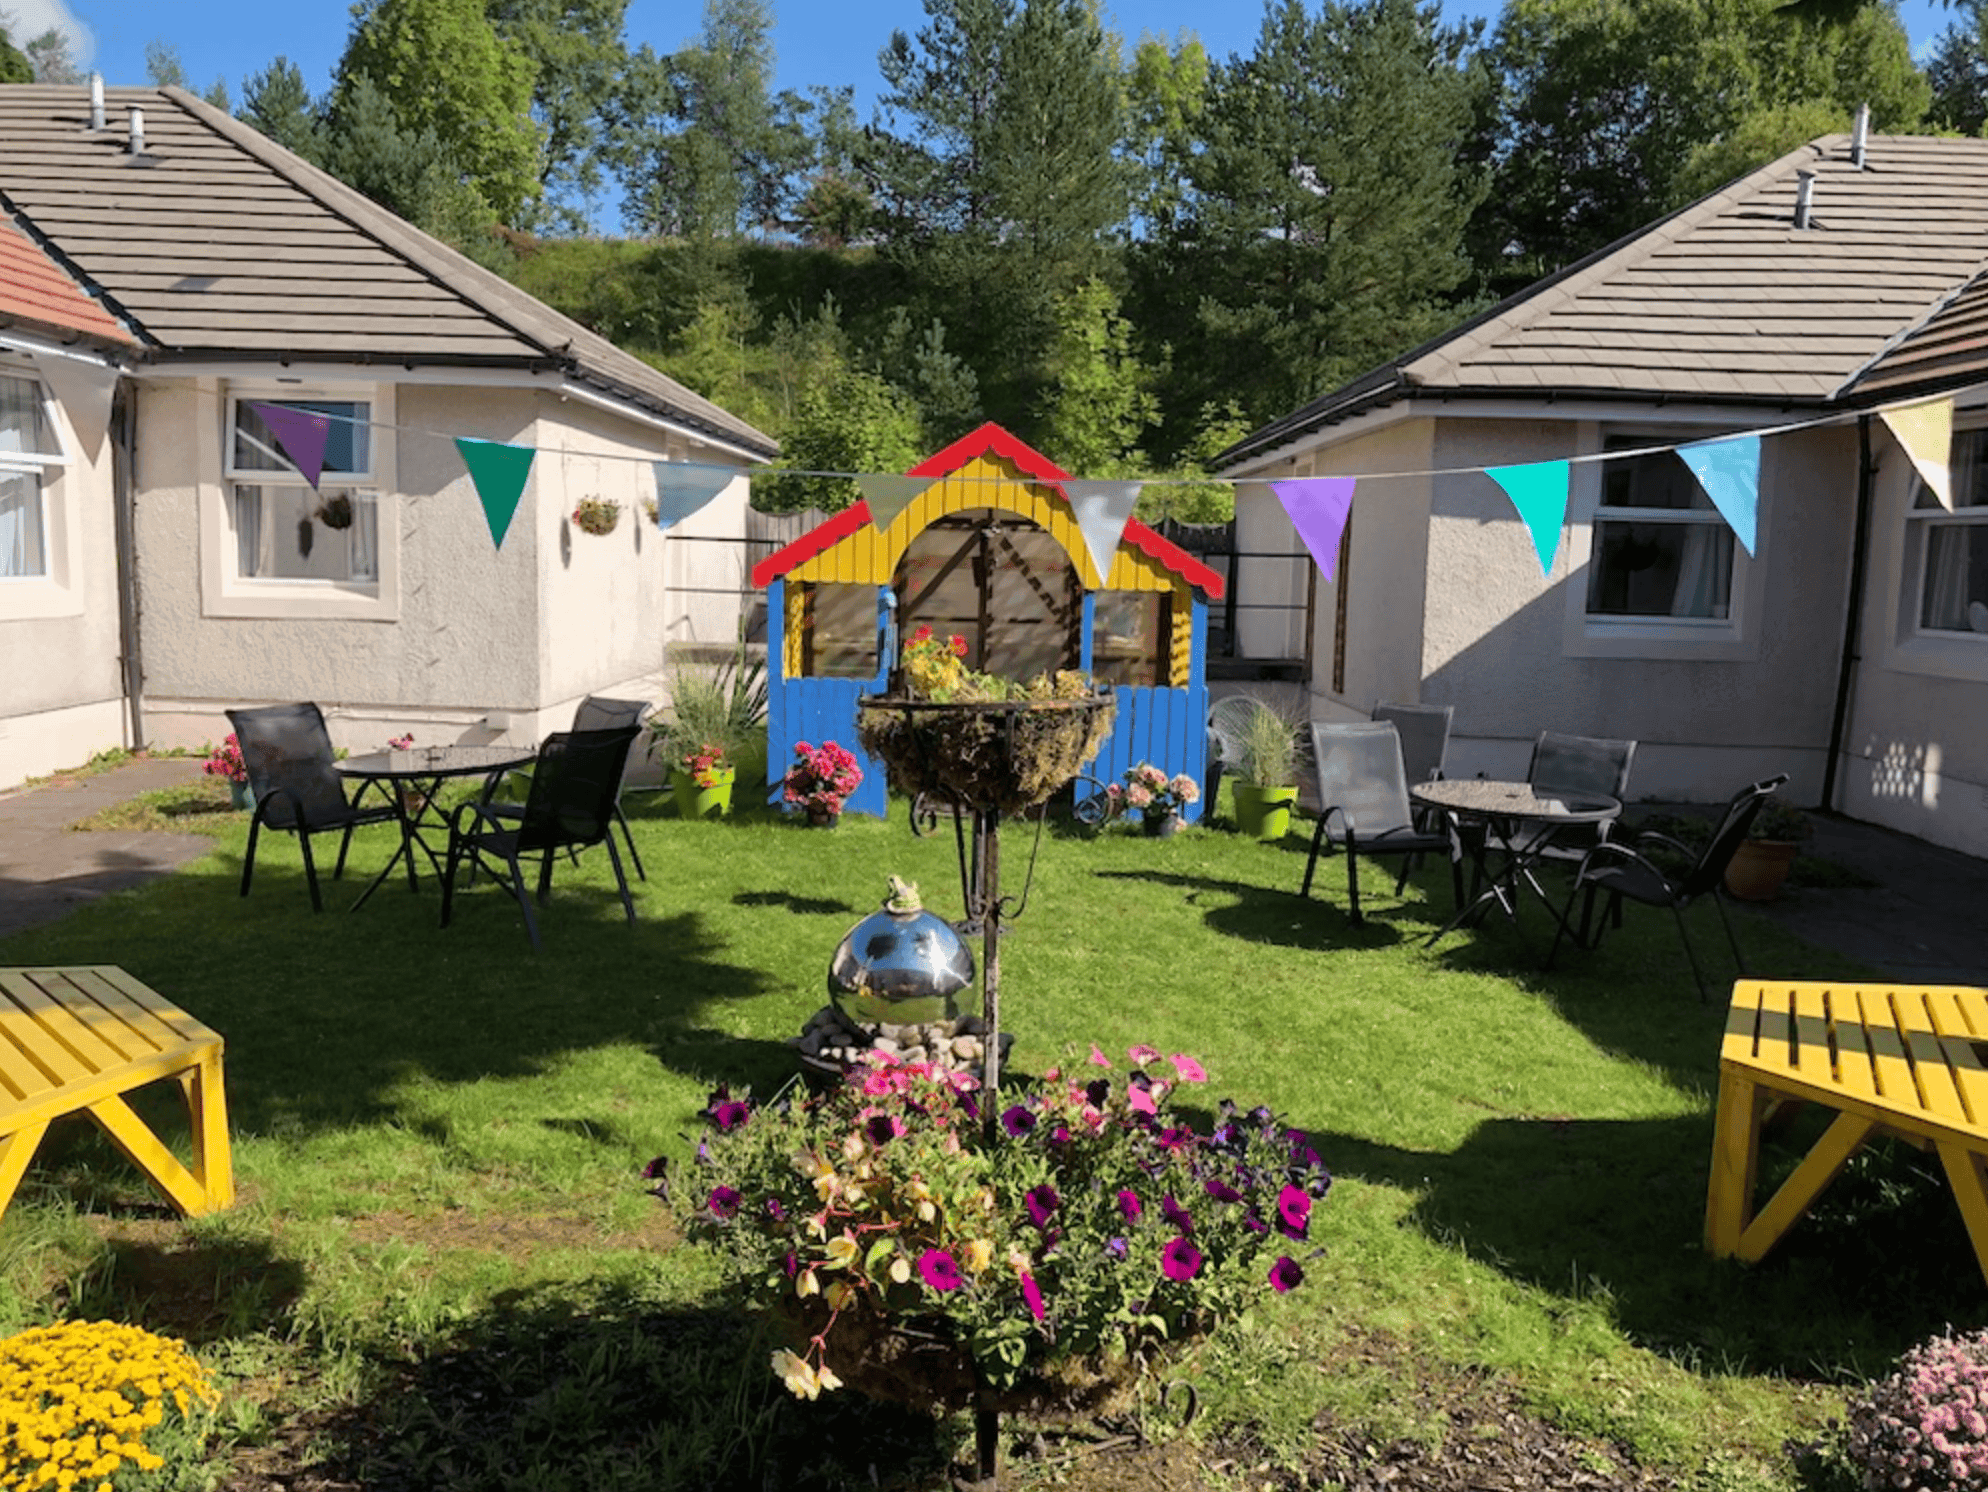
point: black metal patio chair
(1425, 743)
(1579, 764)
(296, 788)
(1363, 785)
(1622, 868)
(575, 781)
(596, 712)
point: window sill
(1654, 638)
(302, 600)
(30, 599)
(1941, 657)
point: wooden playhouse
(992, 553)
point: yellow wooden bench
(1906, 1060)
(73, 1040)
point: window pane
(293, 533)
(22, 428)
(23, 548)
(1129, 643)
(843, 644)
(1658, 481)
(1954, 597)
(347, 447)
(1661, 569)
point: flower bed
(920, 1258)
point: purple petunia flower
(1294, 1211)
(729, 1116)
(1128, 1203)
(1118, 1248)
(882, 1129)
(1254, 1223)
(1176, 1214)
(656, 1169)
(775, 1211)
(1180, 1260)
(1042, 1203)
(724, 1202)
(1176, 1138)
(939, 1269)
(1097, 1092)
(1060, 1135)
(1221, 1191)
(1033, 1295)
(793, 1263)
(1286, 1274)
(1018, 1120)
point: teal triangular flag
(888, 495)
(682, 487)
(498, 472)
(1539, 492)
(1102, 509)
(1729, 471)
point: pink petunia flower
(1141, 1054)
(1286, 1274)
(1098, 1058)
(1032, 1295)
(939, 1269)
(1140, 1101)
(1180, 1260)
(1190, 1071)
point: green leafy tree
(448, 76)
(1324, 232)
(1168, 90)
(278, 104)
(49, 52)
(938, 379)
(163, 66)
(582, 63)
(14, 64)
(407, 170)
(1958, 72)
(848, 420)
(1100, 398)
(1605, 107)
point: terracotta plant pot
(1264, 812)
(1759, 868)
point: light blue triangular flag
(1318, 508)
(1729, 471)
(498, 472)
(889, 495)
(1102, 509)
(1539, 492)
(682, 487)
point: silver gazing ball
(900, 966)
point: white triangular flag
(889, 495)
(1102, 509)
(84, 391)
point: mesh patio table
(1518, 823)
(415, 777)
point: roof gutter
(627, 410)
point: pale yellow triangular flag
(889, 495)
(1926, 432)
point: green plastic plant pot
(1264, 812)
(694, 802)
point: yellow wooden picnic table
(74, 1040)
(1909, 1060)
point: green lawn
(445, 1269)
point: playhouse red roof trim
(989, 439)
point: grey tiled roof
(1726, 301)
(216, 243)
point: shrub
(1925, 1428)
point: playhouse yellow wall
(867, 557)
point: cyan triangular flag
(682, 487)
(302, 433)
(1539, 492)
(84, 390)
(1318, 508)
(888, 495)
(498, 472)
(1102, 509)
(1729, 471)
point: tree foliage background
(1129, 254)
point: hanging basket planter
(1009, 755)
(597, 516)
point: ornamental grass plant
(927, 1251)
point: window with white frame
(1948, 552)
(1659, 548)
(285, 531)
(30, 457)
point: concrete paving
(48, 869)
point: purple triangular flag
(1318, 507)
(302, 433)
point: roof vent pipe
(1860, 136)
(96, 101)
(1804, 197)
(137, 132)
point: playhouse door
(1000, 582)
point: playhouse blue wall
(1168, 727)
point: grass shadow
(1256, 914)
